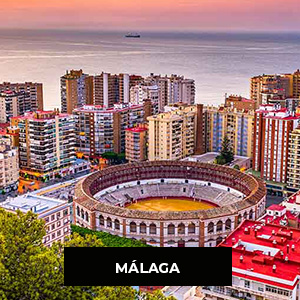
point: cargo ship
(133, 35)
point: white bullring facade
(101, 200)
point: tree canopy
(29, 270)
(226, 155)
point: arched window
(181, 228)
(101, 220)
(86, 216)
(82, 214)
(228, 224)
(239, 219)
(132, 227)
(219, 240)
(143, 228)
(192, 228)
(109, 222)
(251, 215)
(152, 229)
(210, 227)
(78, 211)
(117, 224)
(245, 215)
(220, 226)
(171, 229)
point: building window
(171, 229)
(220, 226)
(101, 220)
(87, 216)
(191, 228)
(181, 228)
(78, 211)
(143, 228)
(228, 224)
(210, 227)
(132, 227)
(117, 224)
(109, 222)
(247, 284)
(152, 229)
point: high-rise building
(272, 127)
(100, 129)
(236, 124)
(265, 263)
(269, 84)
(293, 174)
(77, 89)
(174, 88)
(141, 92)
(9, 166)
(136, 143)
(46, 144)
(294, 83)
(13, 104)
(33, 89)
(173, 135)
(110, 89)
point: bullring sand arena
(169, 204)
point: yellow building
(175, 134)
(293, 175)
(294, 81)
(236, 124)
(77, 89)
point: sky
(136, 15)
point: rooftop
(137, 129)
(266, 253)
(30, 202)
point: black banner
(148, 266)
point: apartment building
(33, 89)
(141, 92)
(293, 168)
(100, 129)
(9, 166)
(174, 88)
(269, 84)
(175, 134)
(136, 143)
(13, 104)
(265, 263)
(239, 103)
(77, 89)
(56, 214)
(236, 124)
(46, 144)
(272, 128)
(110, 89)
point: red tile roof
(262, 247)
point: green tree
(31, 271)
(227, 151)
(157, 295)
(220, 160)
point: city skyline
(156, 15)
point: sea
(220, 63)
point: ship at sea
(133, 35)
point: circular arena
(169, 203)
